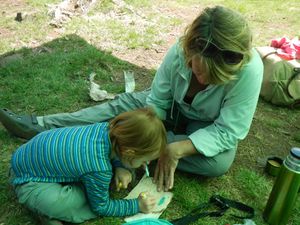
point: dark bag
(222, 204)
(218, 202)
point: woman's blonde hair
(137, 133)
(227, 30)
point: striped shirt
(73, 154)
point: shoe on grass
(25, 126)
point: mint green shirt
(228, 108)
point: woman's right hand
(166, 166)
(146, 202)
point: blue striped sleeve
(97, 188)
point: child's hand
(146, 202)
(122, 178)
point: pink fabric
(287, 49)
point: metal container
(285, 190)
(273, 165)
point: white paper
(96, 93)
(163, 199)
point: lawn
(44, 70)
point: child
(65, 173)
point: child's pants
(62, 202)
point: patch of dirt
(65, 10)
(11, 8)
(151, 58)
(9, 5)
(5, 33)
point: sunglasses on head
(210, 50)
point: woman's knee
(219, 169)
(223, 162)
(208, 166)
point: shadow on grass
(53, 78)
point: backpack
(281, 81)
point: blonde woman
(64, 174)
(206, 91)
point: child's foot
(47, 221)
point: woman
(206, 91)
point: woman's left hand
(122, 178)
(166, 166)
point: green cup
(273, 165)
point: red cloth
(287, 49)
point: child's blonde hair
(137, 133)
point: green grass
(57, 72)
(44, 70)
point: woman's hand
(166, 166)
(168, 160)
(146, 202)
(122, 178)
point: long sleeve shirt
(73, 154)
(227, 109)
